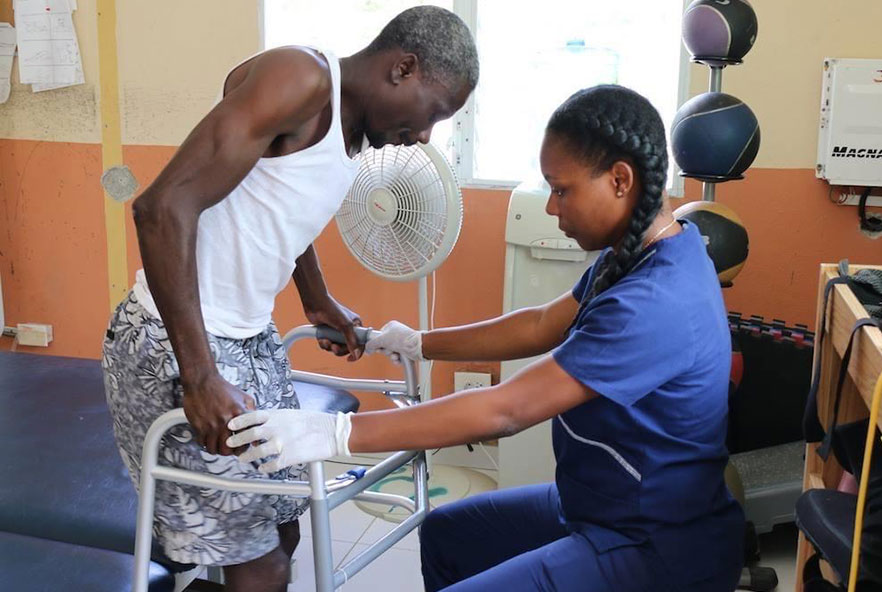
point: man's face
(406, 107)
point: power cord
(869, 222)
(432, 362)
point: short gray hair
(440, 40)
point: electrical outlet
(463, 381)
(34, 334)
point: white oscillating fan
(400, 220)
(402, 217)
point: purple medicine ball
(719, 28)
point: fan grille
(403, 211)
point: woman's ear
(622, 177)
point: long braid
(606, 124)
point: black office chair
(827, 518)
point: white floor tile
(348, 523)
(492, 473)
(305, 567)
(396, 570)
(381, 527)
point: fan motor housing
(403, 213)
(383, 208)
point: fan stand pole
(425, 375)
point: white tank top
(247, 243)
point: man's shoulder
(285, 83)
(295, 66)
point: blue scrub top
(644, 461)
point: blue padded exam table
(67, 505)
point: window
(533, 56)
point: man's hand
(209, 405)
(321, 308)
(330, 312)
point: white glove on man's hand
(397, 340)
(286, 437)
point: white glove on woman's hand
(397, 340)
(286, 437)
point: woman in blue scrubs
(636, 381)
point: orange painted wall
(53, 257)
(793, 228)
(53, 260)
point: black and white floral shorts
(142, 381)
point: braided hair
(606, 124)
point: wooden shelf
(864, 369)
(866, 356)
(815, 481)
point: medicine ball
(715, 135)
(723, 29)
(723, 233)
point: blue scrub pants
(515, 539)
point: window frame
(463, 128)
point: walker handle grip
(362, 334)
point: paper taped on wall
(49, 54)
(7, 51)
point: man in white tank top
(222, 229)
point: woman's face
(592, 208)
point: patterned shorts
(142, 381)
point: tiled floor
(398, 570)
(304, 571)
(778, 550)
(352, 531)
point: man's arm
(321, 308)
(282, 90)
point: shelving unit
(864, 369)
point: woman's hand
(397, 340)
(282, 438)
